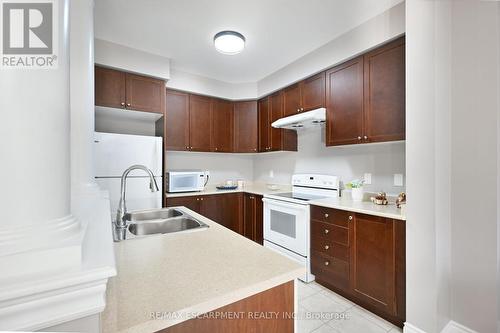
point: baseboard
(409, 328)
(451, 327)
(454, 327)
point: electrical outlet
(271, 174)
(368, 178)
(398, 179)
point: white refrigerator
(114, 153)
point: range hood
(308, 119)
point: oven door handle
(286, 204)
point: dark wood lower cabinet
(225, 209)
(253, 218)
(361, 257)
(278, 300)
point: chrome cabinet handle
(359, 138)
(327, 263)
(128, 104)
(197, 199)
(122, 103)
(201, 199)
(350, 217)
(365, 137)
(327, 247)
(326, 215)
(327, 231)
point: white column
(36, 222)
(82, 99)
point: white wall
(347, 162)
(451, 137)
(370, 34)
(131, 60)
(222, 166)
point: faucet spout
(122, 207)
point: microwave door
(184, 183)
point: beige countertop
(164, 279)
(256, 188)
(364, 207)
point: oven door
(287, 224)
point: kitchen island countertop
(165, 279)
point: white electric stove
(287, 217)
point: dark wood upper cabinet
(200, 123)
(385, 92)
(264, 123)
(344, 103)
(145, 94)
(177, 120)
(118, 89)
(313, 92)
(373, 270)
(291, 99)
(275, 113)
(245, 127)
(365, 97)
(222, 126)
(109, 88)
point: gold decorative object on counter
(401, 200)
(380, 199)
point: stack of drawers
(330, 246)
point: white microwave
(186, 180)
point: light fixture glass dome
(229, 42)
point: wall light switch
(398, 179)
(368, 178)
(271, 174)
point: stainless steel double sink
(157, 221)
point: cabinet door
(313, 92)
(177, 121)
(259, 219)
(109, 88)
(191, 202)
(249, 212)
(291, 100)
(275, 112)
(385, 93)
(222, 126)
(232, 211)
(245, 127)
(373, 262)
(145, 93)
(264, 139)
(211, 207)
(200, 110)
(344, 103)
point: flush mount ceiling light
(229, 42)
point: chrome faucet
(120, 222)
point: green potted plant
(356, 187)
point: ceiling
(277, 31)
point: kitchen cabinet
(270, 109)
(118, 89)
(225, 209)
(245, 127)
(344, 103)
(222, 126)
(365, 97)
(361, 257)
(309, 94)
(384, 81)
(176, 120)
(200, 123)
(253, 217)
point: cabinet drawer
(330, 232)
(330, 270)
(326, 246)
(333, 216)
